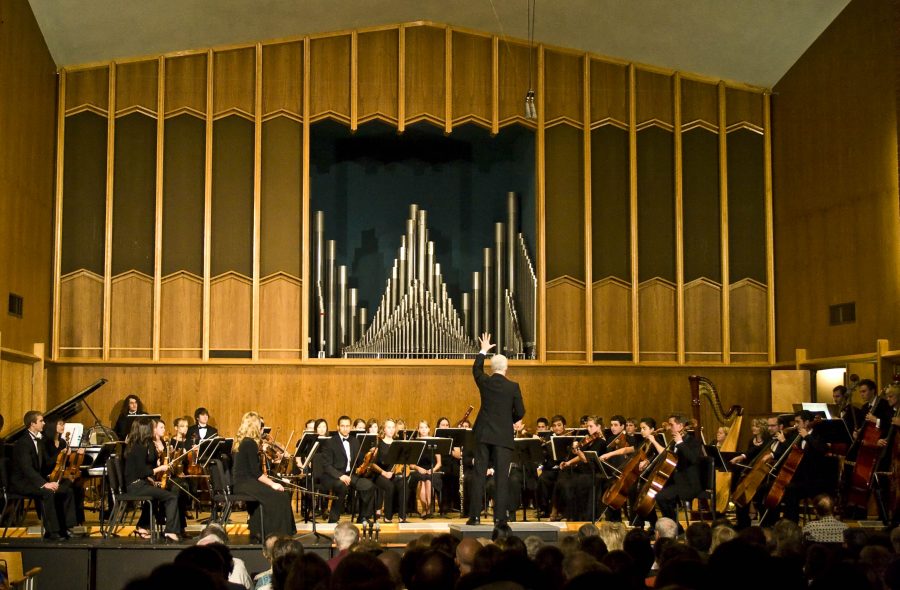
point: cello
(661, 470)
(867, 456)
(790, 461)
(760, 468)
(616, 495)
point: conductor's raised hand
(485, 342)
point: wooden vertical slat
(57, 216)
(770, 240)
(257, 203)
(495, 85)
(354, 81)
(723, 208)
(158, 223)
(588, 215)
(632, 183)
(541, 209)
(679, 223)
(207, 202)
(401, 80)
(448, 80)
(307, 284)
(107, 245)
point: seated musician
(449, 472)
(812, 475)
(549, 471)
(884, 467)
(620, 447)
(654, 443)
(201, 430)
(141, 467)
(248, 477)
(372, 426)
(421, 476)
(165, 453)
(522, 479)
(778, 444)
(389, 483)
(337, 458)
(850, 414)
(576, 478)
(179, 440)
(131, 406)
(685, 484)
(29, 460)
(542, 425)
(54, 444)
(631, 428)
(760, 440)
(359, 425)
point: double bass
(867, 456)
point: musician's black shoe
(53, 537)
(255, 539)
(473, 520)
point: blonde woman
(249, 479)
(421, 476)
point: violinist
(359, 425)
(372, 426)
(338, 455)
(27, 478)
(685, 484)
(201, 430)
(631, 428)
(249, 479)
(166, 453)
(141, 465)
(384, 477)
(573, 490)
(549, 471)
(179, 441)
(55, 443)
(542, 425)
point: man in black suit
(337, 463)
(875, 409)
(813, 475)
(501, 409)
(201, 430)
(685, 483)
(27, 478)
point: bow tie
(344, 439)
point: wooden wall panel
(653, 96)
(282, 71)
(424, 77)
(748, 317)
(137, 87)
(699, 105)
(472, 78)
(378, 74)
(234, 81)
(612, 316)
(280, 333)
(742, 106)
(563, 88)
(656, 304)
(17, 393)
(289, 395)
(81, 315)
(131, 316)
(28, 105)
(181, 316)
(609, 92)
(329, 93)
(565, 319)
(186, 84)
(703, 321)
(514, 63)
(88, 88)
(230, 297)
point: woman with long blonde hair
(249, 479)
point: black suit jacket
(27, 466)
(501, 406)
(333, 459)
(194, 430)
(882, 411)
(687, 471)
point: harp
(703, 387)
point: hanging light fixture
(530, 106)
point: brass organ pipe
(476, 304)
(319, 261)
(487, 293)
(402, 277)
(499, 234)
(512, 228)
(429, 267)
(420, 251)
(353, 316)
(330, 288)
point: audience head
(666, 528)
(613, 534)
(465, 554)
(361, 571)
(823, 505)
(435, 570)
(637, 545)
(721, 534)
(212, 533)
(699, 536)
(391, 560)
(308, 572)
(345, 535)
(588, 529)
(533, 544)
(594, 546)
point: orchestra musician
(501, 407)
(811, 477)
(27, 478)
(141, 466)
(248, 477)
(131, 406)
(389, 483)
(165, 453)
(550, 471)
(54, 443)
(449, 472)
(762, 430)
(655, 443)
(851, 415)
(542, 425)
(338, 476)
(576, 477)
(421, 476)
(685, 483)
(201, 430)
(625, 444)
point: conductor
(501, 407)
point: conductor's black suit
(501, 407)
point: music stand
(716, 463)
(404, 452)
(545, 435)
(211, 448)
(578, 432)
(366, 442)
(561, 445)
(106, 451)
(436, 446)
(525, 451)
(593, 459)
(311, 444)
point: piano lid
(65, 410)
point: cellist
(620, 448)
(685, 483)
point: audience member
(346, 536)
(826, 529)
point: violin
(59, 468)
(193, 465)
(163, 476)
(368, 462)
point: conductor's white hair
(499, 363)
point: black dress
(139, 463)
(390, 488)
(276, 506)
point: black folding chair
(122, 499)
(223, 496)
(13, 500)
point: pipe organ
(416, 317)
